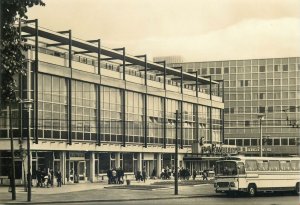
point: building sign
(214, 149)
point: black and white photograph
(133, 102)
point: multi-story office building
(266, 89)
(168, 59)
(95, 108)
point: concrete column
(25, 167)
(63, 166)
(92, 167)
(117, 162)
(158, 164)
(139, 162)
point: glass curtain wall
(188, 123)
(155, 119)
(216, 125)
(171, 107)
(111, 114)
(84, 111)
(52, 107)
(134, 117)
(203, 123)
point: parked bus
(255, 174)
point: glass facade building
(268, 87)
(90, 116)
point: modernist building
(255, 88)
(96, 108)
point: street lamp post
(27, 105)
(176, 155)
(12, 174)
(261, 117)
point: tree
(12, 61)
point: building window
(241, 83)
(246, 83)
(254, 82)
(226, 110)
(270, 109)
(262, 110)
(292, 109)
(226, 70)
(276, 68)
(239, 142)
(246, 142)
(232, 83)
(232, 110)
(261, 96)
(292, 141)
(231, 142)
(204, 71)
(254, 142)
(262, 68)
(276, 141)
(212, 70)
(284, 141)
(285, 67)
(218, 71)
(247, 123)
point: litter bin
(128, 182)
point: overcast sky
(197, 30)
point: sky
(197, 30)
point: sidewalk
(102, 192)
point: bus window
(285, 165)
(274, 165)
(226, 168)
(262, 165)
(241, 168)
(295, 165)
(251, 165)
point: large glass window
(53, 111)
(84, 111)
(134, 117)
(111, 115)
(155, 119)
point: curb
(110, 200)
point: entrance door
(81, 170)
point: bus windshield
(226, 168)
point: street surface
(101, 193)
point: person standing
(194, 174)
(58, 178)
(144, 174)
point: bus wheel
(297, 190)
(252, 190)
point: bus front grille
(223, 184)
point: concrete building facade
(95, 109)
(254, 88)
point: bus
(235, 174)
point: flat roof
(110, 53)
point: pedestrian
(194, 174)
(39, 177)
(144, 175)
(153, 175)
(204, 175)
(114, 176)
(109, 176)
(58, 175)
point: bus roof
(239, 158)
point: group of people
(115, 176)
(183, 173)
(45, 178)
(142, 176)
